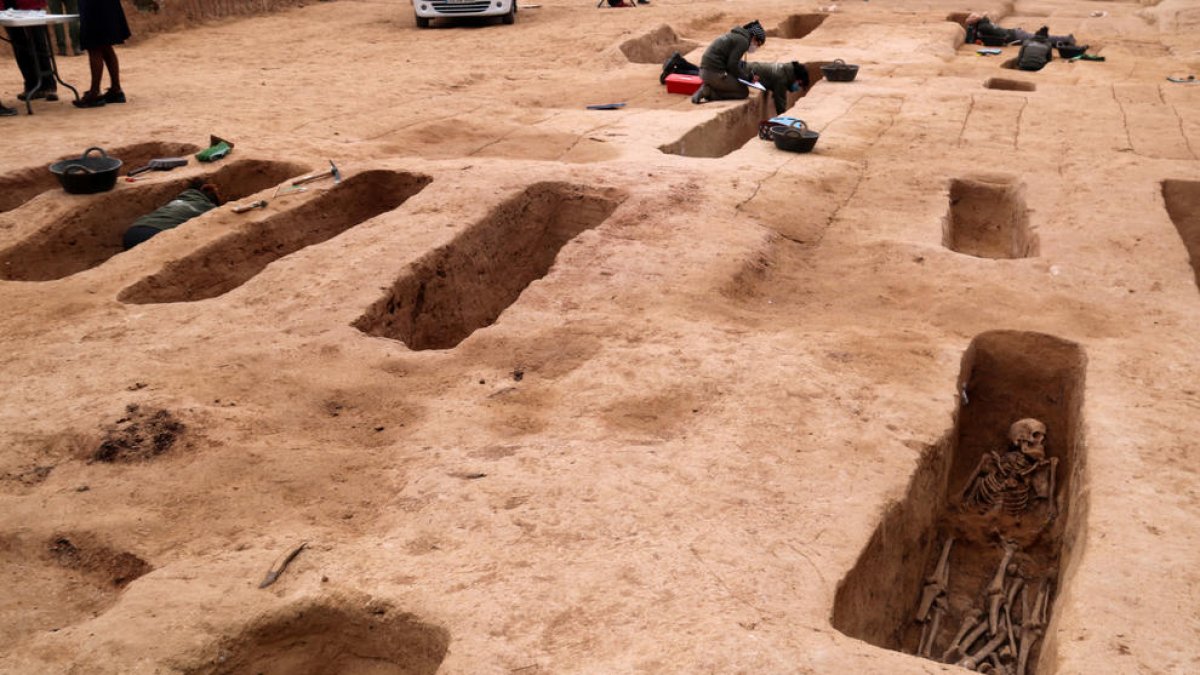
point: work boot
(6, 111)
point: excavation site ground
(535, 388)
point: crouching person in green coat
(722, 64)
(198, 199)
(780, 79)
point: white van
(427, 10)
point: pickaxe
(333, 171)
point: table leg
(54, 65)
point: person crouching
(198, 199)
(722, 66)
(780, 79)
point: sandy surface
(721, 389)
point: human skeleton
(1010, 481)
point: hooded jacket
(776, 77)
(725, 53)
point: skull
(1028, 435)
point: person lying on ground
(1036, 52)
(198, 199)
(980, 27)
(780, 79)
(722, 66)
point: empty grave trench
(1182, 199)
(797, 26)
(1005, 84)
(464, 286)
(234, 259)
(987, 218)
(656, 46)
(91, 233)
(326, 638)
(18, 187)
(1006, 376)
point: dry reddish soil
(552, 390)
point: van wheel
(422, 22)
(511, 17)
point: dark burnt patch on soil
(464, 286)
(21, 185)
(91, 233)
(322, 637)
(234, 259)
(142, 434)
(656, 46)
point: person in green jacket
(722, 66)
(198, 199)
(780, 79)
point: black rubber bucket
(796, 137)
(839, 71)
(87, 174)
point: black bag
(1035, 54)
(677, 64)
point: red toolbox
(682, 84)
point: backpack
(1034, 54)
(677, 64)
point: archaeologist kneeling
(780, 79)
(196, 200)
(722, 66)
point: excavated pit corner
(91, 233)
(464, 286)
(1182, 199)
(656, 46)
(22, 185)
(234, 259)
(1005, 376)
(797, 26)
(60, 581)
(324, 638)
(1005, 84)
(987, 218)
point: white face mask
(753, 47)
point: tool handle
(315, 176)
(252, 205)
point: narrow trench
(22, 185)
(464, 286)
(1006, 84)
(1004, 545)
(797, 26)
(91, 234)
(733, 127)
(656, 46)
(234, 259)
(322, 637)
(1182, 199)
(987, 218)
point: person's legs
(114, 94)
(21, 47)
(41, 55)
(92, 98)
(72, 7)
(725, 87)
(137, 235)
(56, 7)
